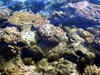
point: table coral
(40, 23)
(52, 33)
(23, 18)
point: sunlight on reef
(49, 37)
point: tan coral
(92, 70)
(39, 23)
(89, 38)
(23, 18)
(10, 35)
(21, 69)
(52, 33)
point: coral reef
(9, 56)
(23, 18)
(91, 70)
(10, 35)
(4, 13)
(89, 38)
(61, 67)
(90, 12)
(40, 23)
(21, 69)
(52, 33)
(29, 37)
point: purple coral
(80, 5)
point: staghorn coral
(52, 33)
(40, 23)
(23, 18)
(21, 69)
(91, 70)
(10, 35)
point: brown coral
(21, 69)
(89, 38)
(4, 13)
(51, 33)
(39, 23)
(10, 35)
(92, 70)
(23, 18)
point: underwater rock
(21, 69)
(51, 33)
(10, 35)
(23, 18)
(29, 37)
(60, 67)
(40, 23)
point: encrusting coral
(51, 33)
(10, 35)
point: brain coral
(51, 33)
(23, 18)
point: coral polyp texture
(92, 70)
(4, 13)
(51, 33)
(10, 35)
(89, 11)
(21, 69)
(40, 23)
(23, 18)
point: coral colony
(49, 37)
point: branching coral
(92, 70)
